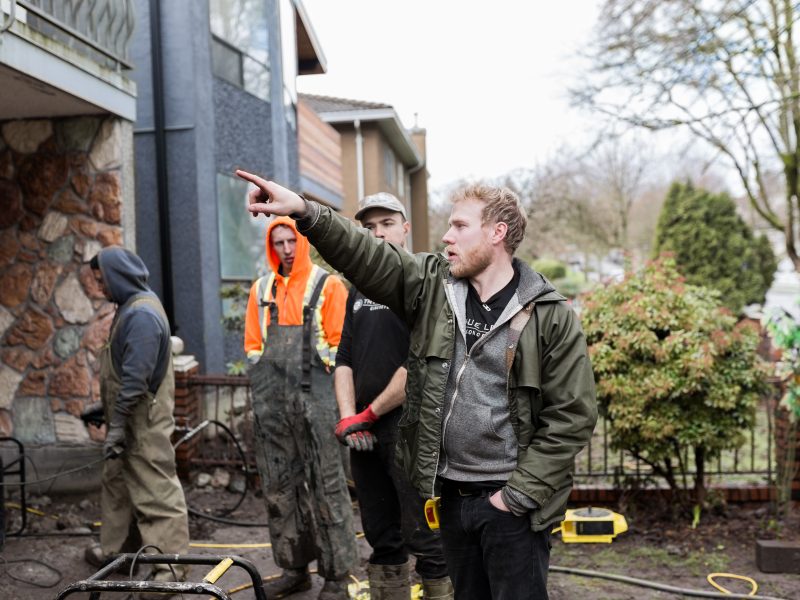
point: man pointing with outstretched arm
(499, 393)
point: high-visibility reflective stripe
(263, 292)
(326, 352)
(322, 346)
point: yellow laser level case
(597, 525)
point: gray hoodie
(478, 440)
(140, 348)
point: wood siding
(320, 150)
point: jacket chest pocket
(414, 385)
(525, 388)
(429, 357)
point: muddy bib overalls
(141, 487)
(298, 457)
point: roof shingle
(325, 104)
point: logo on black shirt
(359, 304)
(477, 329)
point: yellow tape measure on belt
(432, 512)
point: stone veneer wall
(61, 200)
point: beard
(473, 262)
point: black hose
(224, 520)
(158, 550)
(657, 586)
(57, 534)
(56, 476)
(220, 516)
(50, 568)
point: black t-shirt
(374, 344)
(481, 316)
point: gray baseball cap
(380, 200)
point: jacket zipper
(441, 436)
(461, 370)
(453, 403)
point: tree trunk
(787, 453)
(700, 477)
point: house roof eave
(390, 125)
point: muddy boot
(389, 582)
(437, 589)
(289, 582)
(95, 557)
(334, 589)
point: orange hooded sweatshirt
(289, 293)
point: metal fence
(227, 399)
(753, 463)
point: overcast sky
(488, 80)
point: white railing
(102, 26)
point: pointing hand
(269, 198)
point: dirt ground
(658, 547)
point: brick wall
(187, 416)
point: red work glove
(359, 422)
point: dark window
(241, 237)
(389, 169)
(226, 62)
(239, 46)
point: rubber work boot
(161, 576)
(95, 557)
(334, 589)
(389, 582)
(288, 582)
(438, 589)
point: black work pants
(492, 553)
(393, 512)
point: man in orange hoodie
(292, 330)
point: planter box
(778, 556)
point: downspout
(411, 197)
(162, 180)
(359, 160)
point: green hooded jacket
(550, 384)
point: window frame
(257, 264)
(243, 56)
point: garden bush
(675, 373)
(550, 268)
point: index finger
(252, 178)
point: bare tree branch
(726, 71)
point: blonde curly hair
(501, 205)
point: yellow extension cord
(33, 511)
(358, 590)
(416, 591)
(711, 576)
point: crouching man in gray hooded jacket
(140, 487)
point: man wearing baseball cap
(370, 380)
